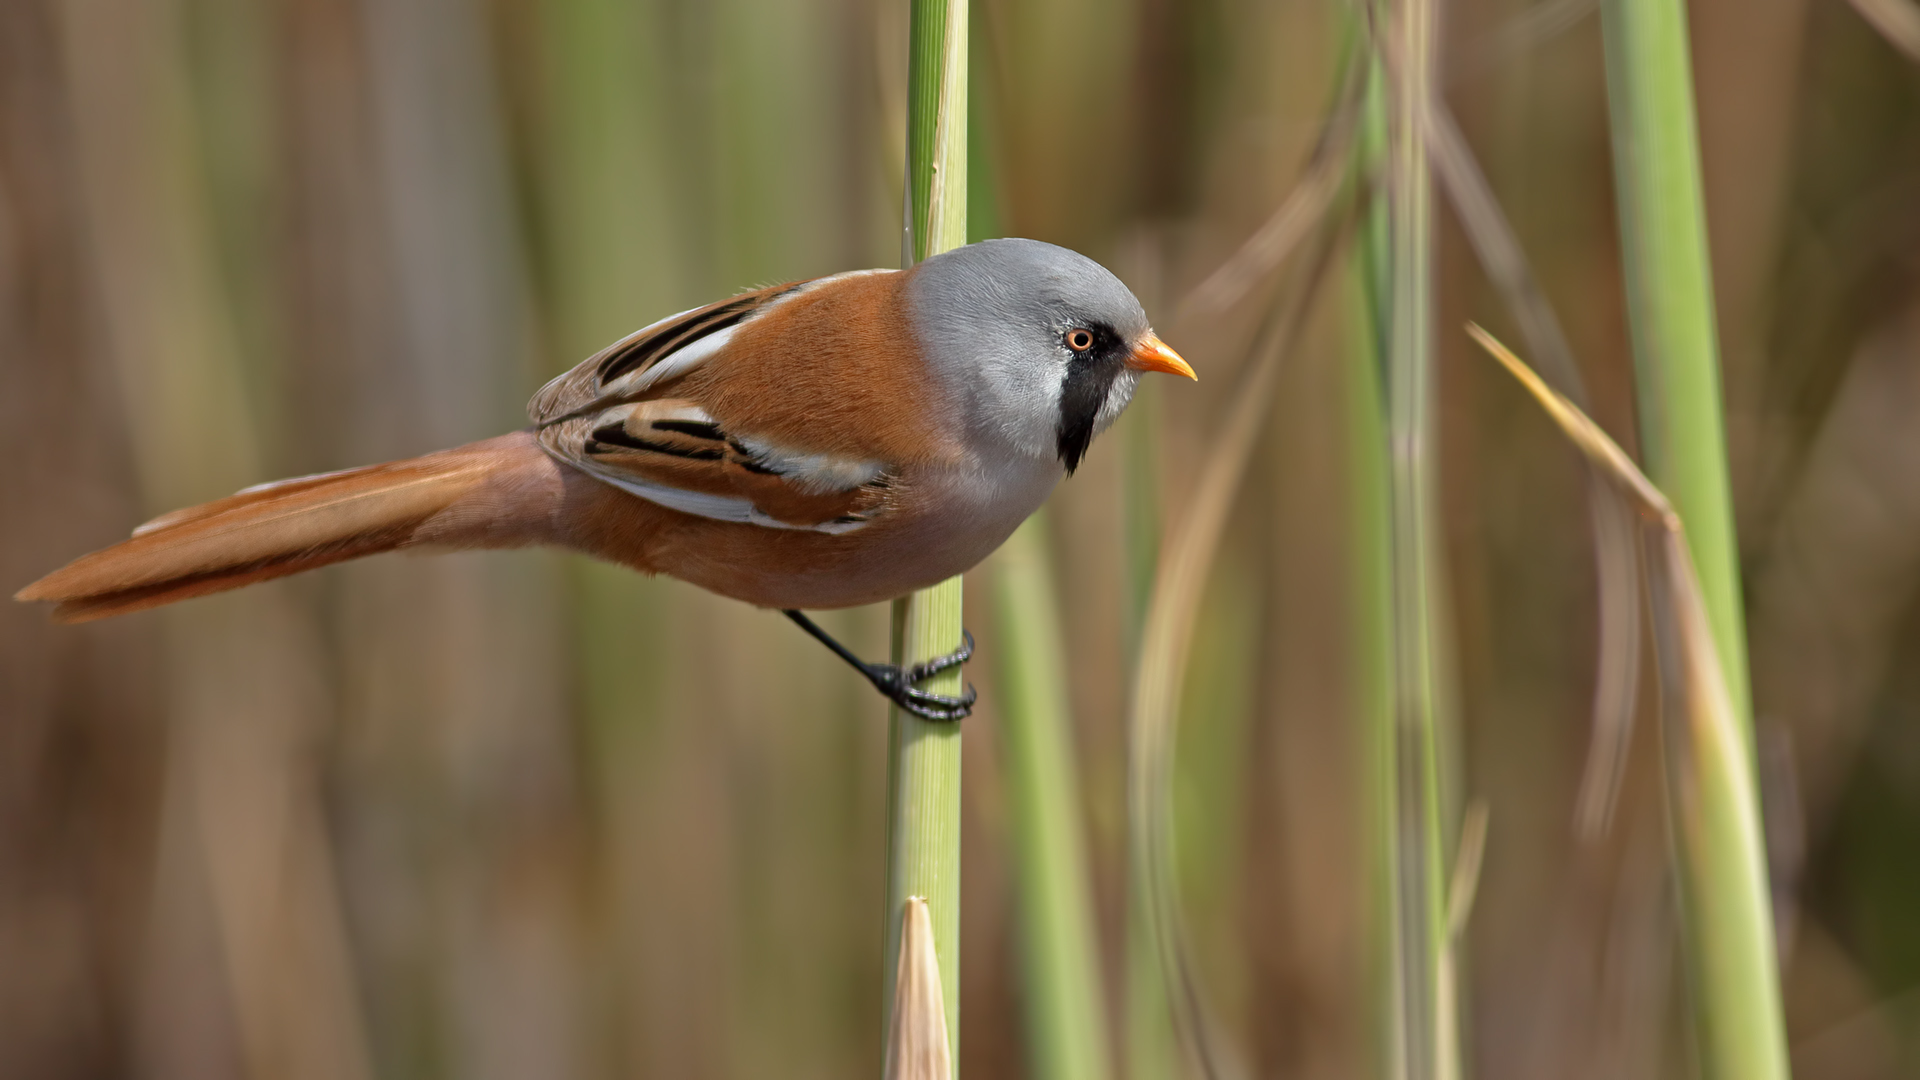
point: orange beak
(1153, 355)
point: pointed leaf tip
(917, 1036)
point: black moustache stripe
(1082, 394)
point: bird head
(1041, 344)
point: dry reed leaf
(1468, 856)
(1165, 641)
(1598, 447)
(1462, 887)
(1296, 215)
(917, 1034)
(1616, 688)
(1711, 780)
(1270, 244)
(1544, 22)
(1531, 28)
(1897, 20)
(1498, 248)
(1616, 546)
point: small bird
(819, 444)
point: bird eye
(1079, 340)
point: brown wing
(610, 416)
(621, 371)
(670, 451)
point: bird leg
(896, 683)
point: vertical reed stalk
(1150, 1048)
(1729, 939)
(1370, 589)
(1663, 233)
(1061, 984)
(1421, 1046)
(1066, 1026)
(923, 780)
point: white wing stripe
(703, 504)
(678, 362)
(814, 474)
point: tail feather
(279, 529)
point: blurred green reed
(1148, 1041)
(1724, 881)
(1663, 233)
(1062, 992)
(1424, 1047)
(1171, 634)
(1370, 586)
(923, 780)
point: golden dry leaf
(1897, 20)
(1722, 856)
(917, 1034)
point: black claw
(896, 685)
(927, 669)
(930, 706)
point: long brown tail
(495, 493)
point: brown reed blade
(1615, 546)
(1720, 855)
(917, 1033)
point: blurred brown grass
(516, 815)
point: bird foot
(896, 683)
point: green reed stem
(936, 128)
(923, 776)
(1663, 233)
(1061, 989)
(1151, 1049)
(1066, 1025)
(1370, 670)
(1730, 944)
(1422, 1043)
(1370, 587)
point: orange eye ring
(1079, 340)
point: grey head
(1041, 345)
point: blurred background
(487, 816)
